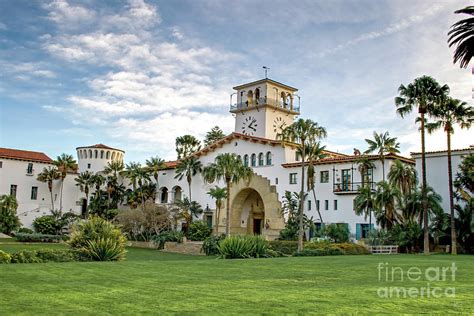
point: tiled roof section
(27, 155)
(331, 160)
(100, 146)
(262, 81)
(471, 147)
(170, 165)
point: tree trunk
(227, 220)
(61, 195)
(315, 205)
(189, 187)
(86, 215)
(218, 210)
(156, 188)
(51, 192)
(426, 239)
(451, 200)
(301, 208)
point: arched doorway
(248, 213)
(177, 193)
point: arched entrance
(248, 216)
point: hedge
(42, 255)
(288, 247)
(39, 237)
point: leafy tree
(314, 152)
(465, 177)
(218, 194)
(154, 165)
(131, 172)
(302, 132)
(385, 199)
(9, 221)
(64, 163)
(402, 176)
(114, 168)
(213, 135)
(186, 145)
(188, 167)
(290, 211)
(424, 94)
(382, 144)
(448, 113)
(461, 35)
(364, 165)
(48, 175)
(230, 169)
(464, 184)
(84, 181)
(365, 203)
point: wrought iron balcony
(265, 101)
(351, 187)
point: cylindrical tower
(96, 157)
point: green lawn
(153, 282)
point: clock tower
(264, 108)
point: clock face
(278, 124)
(249, 126)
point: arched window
(246, 160)
(101, 154)
(96, 154)
(260, 159)
(283, 99)
(113, 155)
(254, 160)
(269, 158)
(177, 193)
(84, 154)
(289, 100)
(257, 95)
(250, 98)
(90, 154)
(164, 195)
(107, 155)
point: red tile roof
(101, 146)
(330, 160)
(27, 155)
(471, 147)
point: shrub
(98, 240)
(234, 247)
(172, 235)
(318, 252)
(328, 248)
(198, 231)
(5, 257)
(337, 233)
(39, 237)
(26, 256)
(9, 221)
(210, 245)
(56, 255)
(25, 230)
(285, 247)
(46, 225)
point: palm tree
(461, 35)
(230, 169)
(424, 93)
(154, 165)
(386, 198)
(64, 163)
(218, 194)
(365, 164)
(188, 167)
(84, 181)
(131, 172)
(143, 177)
(364, 203)
(48, 175)
(403, 177)
(213, 135)
(301, 133)
(9, 221)
(114, 168)
(97, 180)
(189, 209)
(186, 145)
(451, 112)
(382, 144)
(314, 152)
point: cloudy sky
(135, 74)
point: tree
(218, 194)
(364, 203)
(188, 167)
(424, 93)
(464, 184)
(84, 181)
(382, 144)
(154, 165)
(213, 135)
(230, 169)
(314, 152)
(189, 209)
(462, 35)
(448, 113)
(9, 221)
(186, 145)
(301, 133)
(403, 177)
(114, 168)
(364, 165)
(131, 172)
(143, 178)
(64, 163)
(48, 175)
(386, 197)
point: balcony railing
(351, 187)
(265, 101)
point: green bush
(286, 247)
(318, 252)
(46, 225)
(26, 256)
(198, 231)
(39, 237)
(9, 221)
(98, 240)
(234, 247)
(210, 245)
(328, 248)
(5, 257)
(25, 230)
(56, 255)
(337, 233)
(172, 235)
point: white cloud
(3, 26)
(25, 71)
(64, 14)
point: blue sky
(136, 74)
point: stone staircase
(186, 247)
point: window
(246, 160)
(29, 169)
(276, 180)
(101, 154)
(13, 188)
(297, 156)
(309, 205)
(335, 205)
(1, 164)
(269, 158)
(317, 205)
(260, 159)
(88, 166)
(324, 176)
(362, 231)
(34, 193)
(346, 179)
(254, 160)
(292, 178)
(326, 205)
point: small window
(254, 160)
(101, 154)
(29, 169)
(269, 158)
(236, 143)
(88, 166)
(107, 155)
(324, 176)
(335, 205)
(317, 205)
(96, 154)
(326, 205)
(13, 189)
(246, 160)
(276, 180)
(34, 193)
(1, 164)
(297, 156)
(309, 205)
(260, 159)
(293, 178)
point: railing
(351, 187)
(383, 249)
(265, 101)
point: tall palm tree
(462, 35)
(84, 182)
(364, 203)
(364, 165)
(188, 167)
(213, 135)
(64, 163)
(98, 180)
(143, 177)
(218, 194)
(386, 198)
(230, 169)
(382, 144)
(403, 177)
(154, 165)
(48, 175)
(131, 172)
(314, 152)
(424, 93)
(451, 112)
(114, 168)
(301, 133)
(186, 145)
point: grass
(154, 282)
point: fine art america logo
(425, 282)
